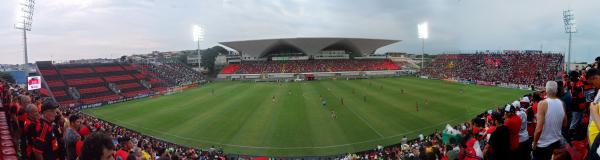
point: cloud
(74, 29)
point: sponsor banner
(514, 86)
(465, 81)
(450, 80)
(34, 82)
(485, 83)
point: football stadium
(249, 96)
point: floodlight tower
(23, 22)
(570, 28)
(198, 34)
(423, 35)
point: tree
(208, 58)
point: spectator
(524, 140)
(33, 117)
(593, 77)
(72, 136)
(577, 91)
(98, 146)
(514, 67)
(125, 146)
(513, 123)
(45, 141)
(551, 119)
(136, 154)
(498, 146)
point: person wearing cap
(513, 122)
(45, 141)
(72, 136)
(126, 146)
(551, 120)
(593, 77)
(524, 140)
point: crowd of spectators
(44, 130)
(317, 65)
(516, 67)
(173, 71)
(548, 124)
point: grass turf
(242, 118)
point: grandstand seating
(93, 90)
(82, 70)
(98, 97)
(81, 81)
(48, 72)
(55, 83)
(515, 67)
(172, 72)
(230, 69)
(7, 145)
(303, 66)
(92, 79)
(102, 69)
(128, 85)
(118, 78)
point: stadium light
(423, 35)
(24, 18)
(570, 28)
(198, 35)
(423, 30)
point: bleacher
(172, 72)
(515, 67)
(130, 84)
(7, 143)
(158, 85)
(230, 69)
(304, 66)
(92, 81)
(55, 83)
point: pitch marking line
(362, 119)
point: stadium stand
(303, 66)
(515, 67)
(10, 106)
(172, 72)
(467, 140)
(230, 69)
(92, 82)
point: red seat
(8, 151)
(10, 158)
(6, 143)
(6, 137)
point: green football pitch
(243, 118)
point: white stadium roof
(308, 46)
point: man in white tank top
(550, 121)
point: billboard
(34, 82)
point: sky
(79, 29)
